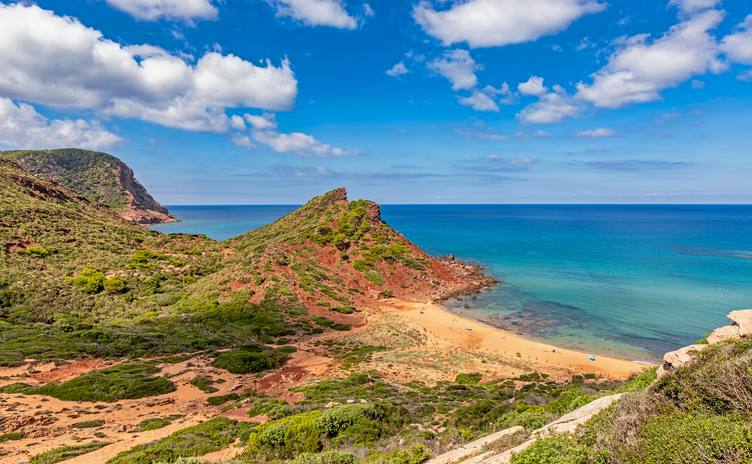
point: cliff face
(98, 177)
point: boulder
(675, 359)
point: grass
(198, 440)
(250, 359)
(65, 452)
(88, 424)
(158, 422)
(124, 381)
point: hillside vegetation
(97, 176)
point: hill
(290, 342)
(97, 176)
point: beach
(444, 328)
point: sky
(401, 102)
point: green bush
(124, 381)
(243, 361)
(38, 252)
(222, 399)
(327, 457)
(558, 449)
(468, 379)
(207, 437)
(88, 424)
(203, 384)
(286, 438)
(65, 452)
(90, 280)
(287, 349)
(114, 284)
(12, 436)
(338, 418)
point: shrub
(243, 361)
(287, 349)
(341, 417)
(114, 284)
(203, 384)
(222, 399)
(558, 449)
(125, 381)
(88, 424)
(327, 457)
(90, 280)
(65, 452)
(154, 423)
(12, 436)
(38, 252)
(468, 379)
(288, 437)
(207, 437)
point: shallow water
(634, 281)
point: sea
(631, 281)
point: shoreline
(439, 324)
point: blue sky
(472, 101)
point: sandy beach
(442, 327)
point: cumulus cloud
(264, 131)
(596, 133)
(174, 10)
(479, 101)
(738, 46)
(368, 11)
(551, 107)
(316, 12)
(533, 86)
(745, 76)
(693, 6)
(243, 141)
(493, 23)
(21, 126)
(457, 66)
(398, 70)
(640, 69)
(57, 61)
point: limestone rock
(675, 359)
(470, 450)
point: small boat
(469, 328)
(591, 357)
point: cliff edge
(98, 177)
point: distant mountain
(96, 176)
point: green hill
(97, 176)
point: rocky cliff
(98, 177)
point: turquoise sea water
(634, 281)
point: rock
(332, 404)
(350, 401)
(566, 424)
(741, 327)
(675, 359)
(364, 401)
(470, 449)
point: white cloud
(493, 23)
(237, 123)
(57, 61)
(640, 69)
(552, 107)
(738, 46)
(479, 101)
(596, 133)
(368, 11)
(398, 70)
(698, 84)
(533, 86)
(693, 6)
(243, 141)
(745, 76)
(476, 134)
(304, 145)
(22, 127)
(176, 10)
(315, 12)
(457, 66)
